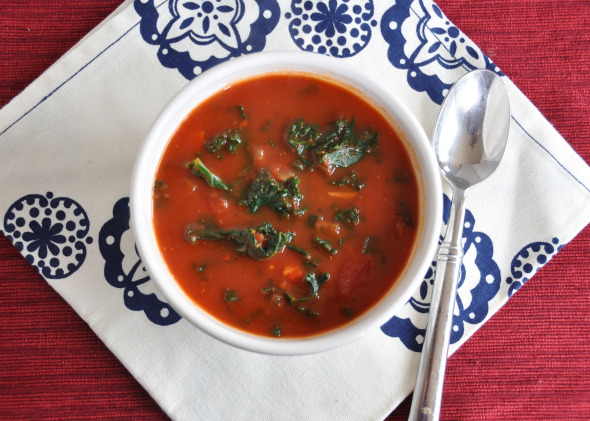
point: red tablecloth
(530, 361)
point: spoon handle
(431, 372)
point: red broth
(355, 222)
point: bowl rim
(215, 79)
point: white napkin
(67, 148)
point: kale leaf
(306, 256)
(348, 148)
(304, 138)
(243, 114)
(352, 180)
(230, 295)
(283, 198)
(261, 242)
(339, 147)
(228, 139)
(405, 212)
(325, 245)
(349, 217)
(200, 170)
(314, 281)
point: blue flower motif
(338, 28)
(51, 232)
(528, 261)
(43, 237)
(195, 35)
(205, 21)
(331, 18)
(423, 42)
(124, 269)
(450, 37)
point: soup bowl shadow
(216, 79)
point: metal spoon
(469, 141)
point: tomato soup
(286, 205)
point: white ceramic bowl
(213, 81)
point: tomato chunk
(293, 274)
(355, 274)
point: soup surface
(285, 205)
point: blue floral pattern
(124, 269)
(51, 232)
(195, 35)
(433, 51)
(479, 282)
(528, 261)
(338, 28)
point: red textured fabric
(531, 361)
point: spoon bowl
(469, 142)
(472, 128)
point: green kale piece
(200, 170)
(299, 250)
(348, 148)
(228, 139)
(216, 144)
(303, 136)
(406, 214)
(233, 142)
(159, 184)
(349, 217)
(325, 245)
(230, 295)
(347, 312)
(243, 114)
(307, 312)
(194, 233)
(314, 281)
(339, 147)
(160, 193)
(306, 256)
(283, 198)
(352, 180)
(260, 243)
